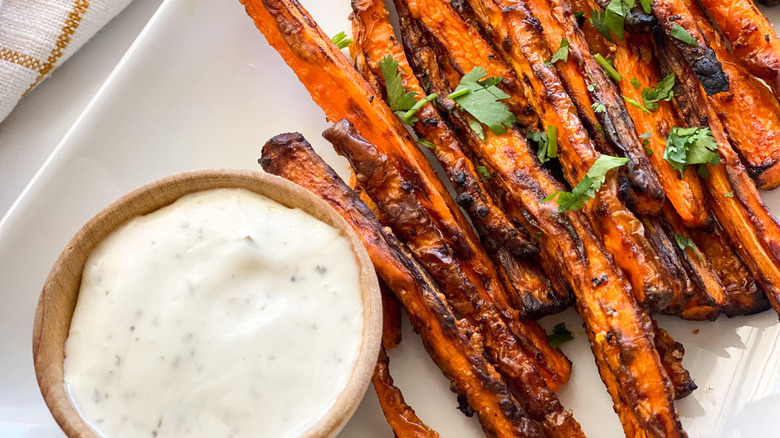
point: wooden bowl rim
(54, 312)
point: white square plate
(201, 88)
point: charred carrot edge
(709, 295)
(745, 296)
(413, 225)
(734, 199)
(633, 58)
(749, 112)
(291, 157)
(391, 318)
(617, 328)
(399, 415)
(529, 290)
(580, 71)
(672, 353)
(621, 230)
(370, 46)
(700, 58)
(753, 38)
(637, 20)
(342, 93)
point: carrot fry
(745, 296)
(399, 415)
(529, 290)
(734, 198)
(749, 112)
(391, 318)
(413, 225)
(621, 231)
(752, 37)
(672, 353)
(619, 331)
(676, 21)
(291, 157)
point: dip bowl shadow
(60, 292)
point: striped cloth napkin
(36, 36)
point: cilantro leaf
(598, 108)
(688, 146)
(615, 15)
(426, 143)
(597, 19)
(408, 117)
(341, 40)
(729, 194)
(591, 87)
(684, 242)
(635, 82)
(579, 14)
(477, 128)
(559, 336)
(681, 34)
(636, 104)
(562, 54)
(397, 98)
(648, 151)
(483, 172)
(662, 91)
(647, 5)
(481, 99)
(586, 189)
(608, 67)
(546, 143)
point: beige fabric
(36, 36)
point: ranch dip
(225, 314)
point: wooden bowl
(60, 292)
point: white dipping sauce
(224, 314)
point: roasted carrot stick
(413, 225)
(752, 37)
(749, 112)
(745, 296)
(619, 331)
(633, 58)
(342, 93)
(672, 353)
(581, 74)
(399, 415)
(676, 21)
(621, 230)
(734, 198)
(291, 157)
(391, 318)
(531, 293)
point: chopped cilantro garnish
(591, 87)
(647, 5)
(483, 172)
(648, 151)
(688, 146)
(730, 194)
(608, 67)
(481, 98)
(636, 104)
(341, 40)
(662, 91)
(598, 108)
(562, 54)
(408, 117)
(397, 98)
(684, 242)
(477, 128)
(426, 143)
(590, 184)
(559, 336)
(681, 34)
(635, 82)
(598, 20)
(546, 143)
(579, 14)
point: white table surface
(42, 118)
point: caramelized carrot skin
(391, 318)
(749, 112)
(399, 415)
(634, 58)
(413, 225)
(291, 157)
(755, 42)
(672, 353)
(734, 199)
(617, 328)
